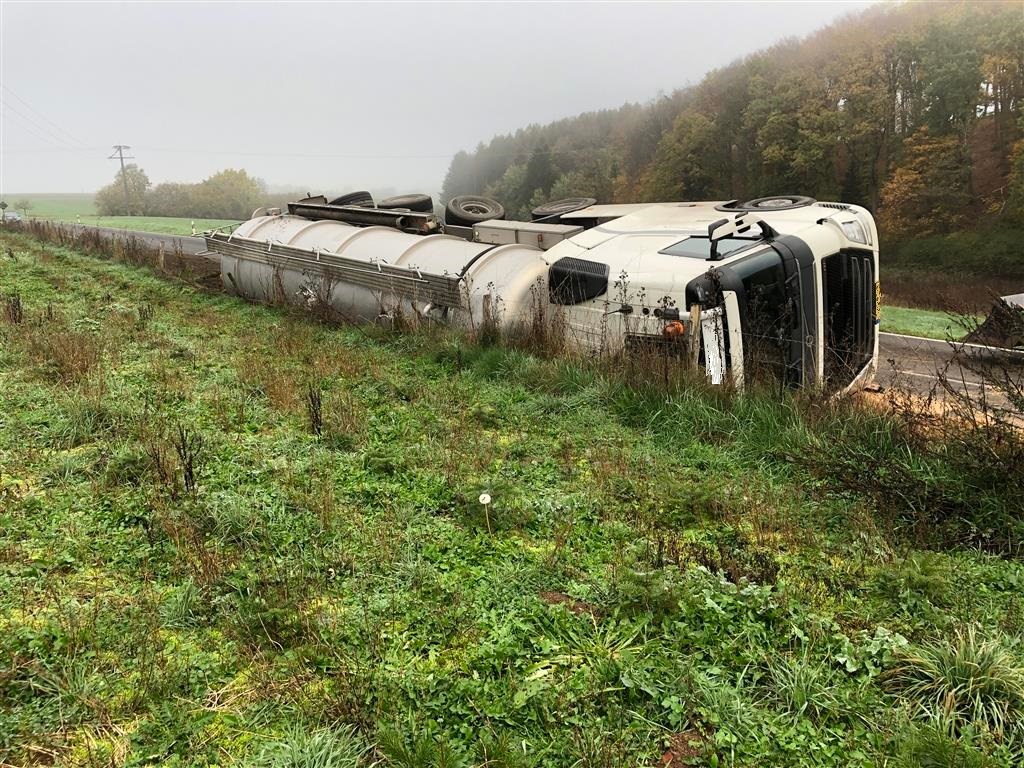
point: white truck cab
(789, 290)
(783, 287)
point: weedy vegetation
(230, 535)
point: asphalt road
(191, 245)
(910, 362)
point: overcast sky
(337, 95)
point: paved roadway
(191, 245)
(912, 362)
(907, 361)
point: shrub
(421, 751)
(804, 687)
(974, 680)
(304, 748)
(931, 745)
(68, 355)
(14, 312)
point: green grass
(81, 208)
(190, 576)
(55, 205)
(160, 224)
(928, 323)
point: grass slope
(190, 576)
(929, 323)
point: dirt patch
(933, 413)
(682, 748)
(578, 607)
(198, 269)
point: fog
(337, 96)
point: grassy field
(929, 323)
(80, 208)
(161, 224)
(61, 206)
(229, 535)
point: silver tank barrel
(362, 273)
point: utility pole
(119, 155)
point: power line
(48, 150)
(310, 155)
(524, 153)
(119, 155)
(71, 138)
(34, 127)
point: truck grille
(849, 302)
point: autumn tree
(1015, 185)
(172, 199)
(836, 115)
(228, 194)
(680, 170)
(110, 200)
(928, 192)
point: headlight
(854, 231)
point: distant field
(163, 225)
(56, 205)
(81, 208)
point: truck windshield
(698, 247)
(768, 315)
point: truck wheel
(556, 208)
(777, 203)
(467, 210)
(417, 202)
(363, 199)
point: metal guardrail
(441, 290)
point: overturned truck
(785, 287)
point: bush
(304, 748)
(973, 680)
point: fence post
(694, 335)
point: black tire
(556, 208)
(777, 203)
(417, 202)
(467, 210)
(363, 199)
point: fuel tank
(364, 273)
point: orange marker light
(673, 330)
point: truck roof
(683, 217)
(646, 240)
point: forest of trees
(913, 110)
(228, 194)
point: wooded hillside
(911, 110)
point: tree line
(912, 110)
(228, 194)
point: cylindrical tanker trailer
(783, 286)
